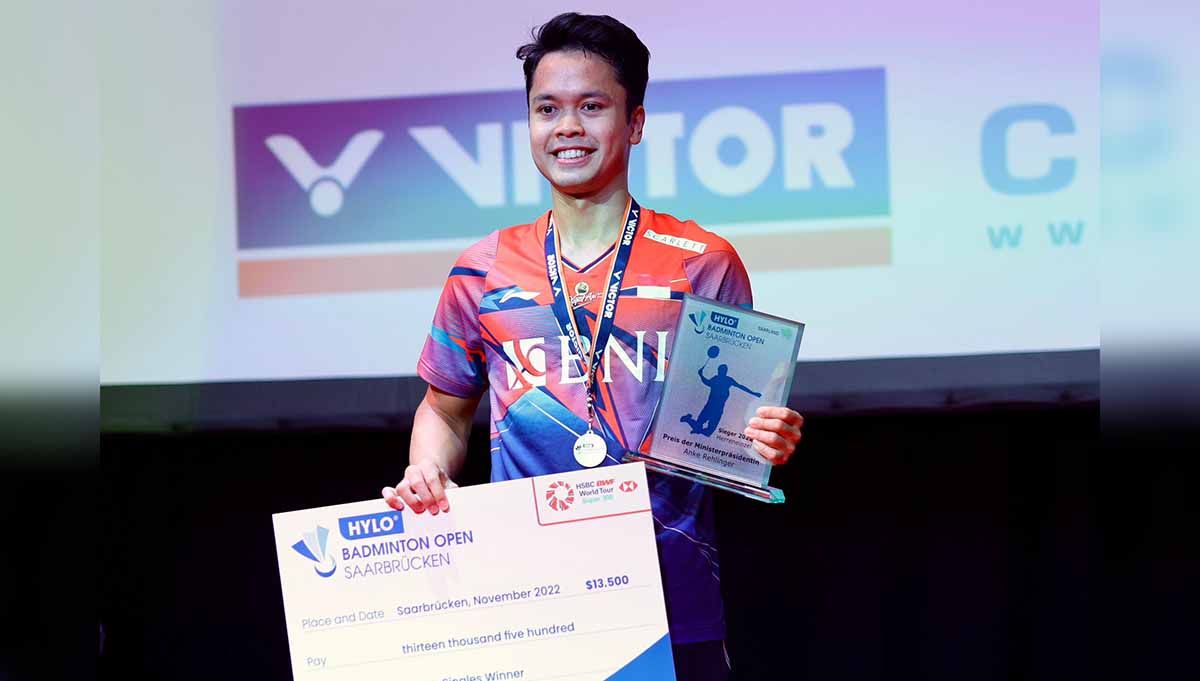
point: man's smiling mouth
(571, 154)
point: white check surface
(554, 577)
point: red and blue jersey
(494, 328)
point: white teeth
(571, 153)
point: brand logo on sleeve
(314, 546)
(676, 241)
(516, 292)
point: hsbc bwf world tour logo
(560, 495)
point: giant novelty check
(543, 578)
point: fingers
(415, 476)
(776, 456)
(775, 431)
(406, 494)
(437, 491)
(424, 487)
(778, 426)
(774, 447)
(784, 414)
(389, 495)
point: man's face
(578, 131)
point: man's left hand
(775, 432)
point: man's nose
(569, 125)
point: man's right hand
(423, 487)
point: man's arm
(436, 452)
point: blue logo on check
(314, 546)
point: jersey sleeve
(719, 274)
(453, 359)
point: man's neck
(588, 225)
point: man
(574, 365)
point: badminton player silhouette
(719, 385)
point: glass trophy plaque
(725, 363)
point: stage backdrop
(287, 185)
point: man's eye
(545, 109)
(591, 106)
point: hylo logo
(698, 321)
(725, 320)
(314, 547)
(560, 495)
(371, 525)
(326, 186)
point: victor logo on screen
(315, 547)
(325, 185)
(796, 146)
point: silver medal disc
(590, 450)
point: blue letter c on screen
(994, 149)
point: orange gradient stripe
(343, 273)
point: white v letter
(325, 196)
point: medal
(590, 448)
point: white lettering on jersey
(676, 241)
(526, 364)
(528, 355)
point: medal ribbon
(589, 363)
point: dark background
(949, 543)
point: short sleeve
(453, 359)
(719, 274)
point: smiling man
(565, 322)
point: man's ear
(636, 122)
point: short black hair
(597, 34)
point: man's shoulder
(478, 257)
(713, 268)
(522, 231)
(687, 235)
(501, 241)
(483, 253)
